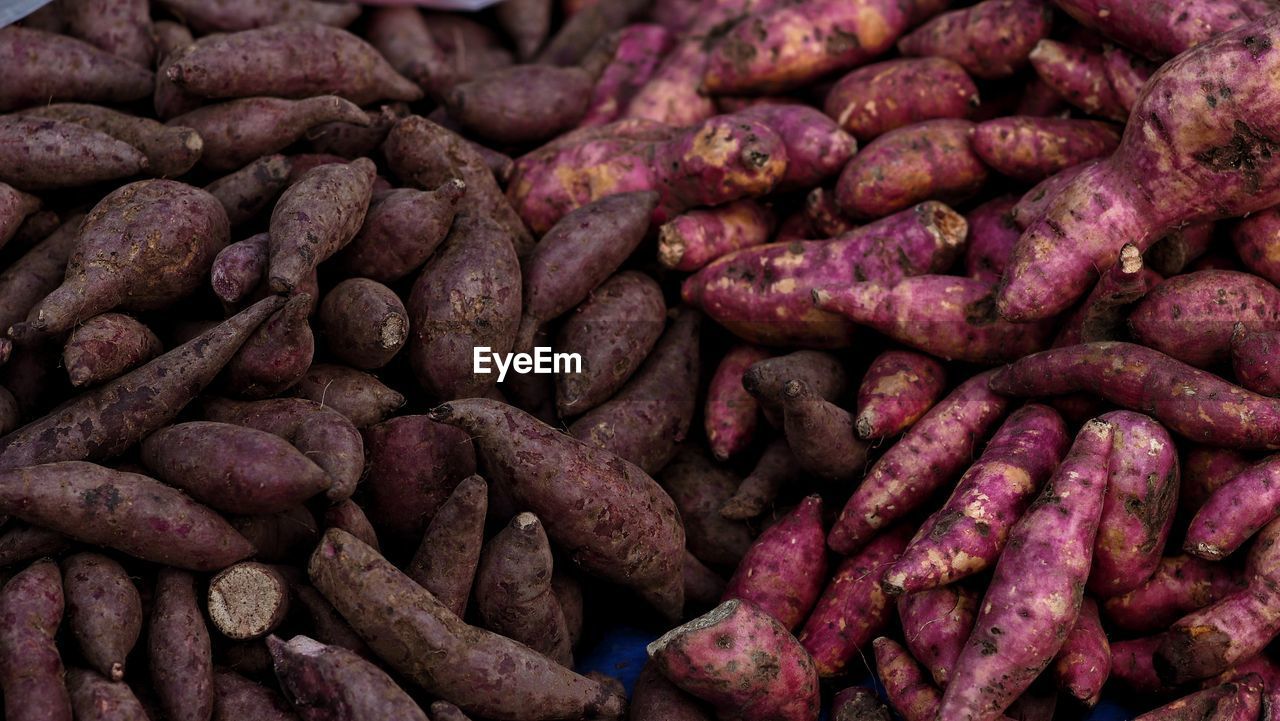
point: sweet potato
(613, 331)
(104, 611)
(48, 67)
(1031, 149)
(521, 104)
(1252, 354)
(969, 532)
(992, 235)
(247, 192)
(350, 517)
(741, 661)
(731, 413)
(1035, 202)
(762, 294)
(825, 220)
(821, 435)
(363, 322)
(467, 297)
(568, 591)
(106, 346)
(446, 560)
(852, 609)
(363, 399)
(1230, 701)
(31, 606)
(471, 48)
(1103, 83)
(1084, 663)
(1107, 205)
(910, 693)
(316, 217)
(725, 158)
(1165, 30)
(147, 398)
(236, 697)
(1180, 585)
(120, 27)
(935, 625)
(402, 36)
(991, 39)
(1235, 511)
(326, 624)
(640, 48)
(645, 420)
(1255, 242)
(578, 254)
(858, 703)
(816, 147)
(15, 206)
(308, 59)
(699, 488)
(929, 160)
(691, 240)
(239, 131)
(37, 273)
(579, 33)
(168, 232)
(1132, 664)
(356, 139)
(1186, 400)
(784, 570)
(277, 355)
(280, 537)
(702, 586)
(513, 590)
(1211, 302)
(46, 154)
(885, 96)
(414, 465)
(656, 699)
(20, 543)
(1101, 316)
(170, 36)
(179, 650)
(777, 466)
(527, 22)
(234, 15)
(401, 230)
(94, 698)
(331, 682)
(426, 155)
(897, 389)
(469, 671)
(673, 94)
(1137, 514)
(1204, 470)
(766, 380)
(1021, 627)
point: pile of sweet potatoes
(365, 362)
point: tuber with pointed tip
(179, 649)
(107, 346)
(362, 398)
(1084, 663)
(888, 95)
(784, 570)
(909, 691)
(699, 488)
(315, 217)
(520, 104)
(1030, 149)
(990, 39)
(48, 67)
(897, 389)
(171, 150)
(401, 230)
(239, 131)
(731, 413)
(46, 154)
(31, 607)
(104, 611)
(446, 560)
(935, 625)
(277, 355)
(821, 435)
(324, 682)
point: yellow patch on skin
(786, 285)
(787, 262)
(967, 563)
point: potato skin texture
(898, 388)
(1031, 149)
(107, 346)
(363, 322)
(31, 606)
(1181, 584)
(1191, 317)
(991, 39)
(51, 67)
(521, 104)
(921, 89)
(731, 413)
(936, 623)
(180, 652)
(1167, 29)
(783, 571)
(401, 230)
(446, 560)
(104, 611)
(332, 682)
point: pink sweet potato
(104, 611)
(316, 217)
(31, 606)
(235, 15)
(179, 650)
(762, 294)
(1101, 316)
(991, 39)
(690, 240)
(277, 355)
(1022, 625)
(239, 131)
(935, 625)
(446, 560)
(1192, 317)
(656, 699)
(95, 698)
(1031, 149)
(876, 99)
(44, 154)
(731, 413)
(363, 323)
(699, 488)
(1180, 585)
(821, 435)
(331, 682)
(758, 490)
(414, 465)
(1252, 357)
(401, 230)
(741, 661)
(1186, 400)
(48, 67)
(247, 192)
(1235, 511)
(824, 218)
(784, 570)
(992, 235)
(640, 48)
(817, 148)
(107, 346)
(1103, 83)
(1035, 202)
(1084, 663)
(120, 27)
(672, 95)
(897, 389)
(1204, 470)
(1230, 702)
(852, 609)
(467, 668)
(521, 104)
(929, 160)
(307, 59)
(969, 532)
(363, 399)
(1167, 29)
(910, 693)
(1257, 242)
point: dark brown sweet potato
(104, 611)
(170, 150)
(236, 698)
(699, 489)
(521, 104)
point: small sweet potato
(910, 693)
(767, 380)
(31, 607)
(104, 611)
(784, 570)
(885, 96)
(1191, 317)
(239, 131)
(741, 661)
(991, 39)
(36, 273)
(170, 151)
(446, 560)
(277, 355)
(852, 609)
(690, 240)
(401, 230)
(929, 160)
(1252, 356)
(236, 697)
(1235, 511)
(613, 332)
(777, 466)
(731, 413)
(1030, 149)
(1257, 242)
(897, 389)
(234, 15)
(513, 590)
(821, 435)
(1101, 316)
(1164, 30)
(640, 49)
(1204, 470)
(656, 699)
(45, 154)
(935, 625)
(95, 698)
(817, 148)
(363, 322)
(363, 399)
(1084, 663)
(315, 217)
(48, 67)
(1036, 202)
(1103, 83)
(1180, 585)
(527, 22)
(331, 682)
(699, 488)
(247, 192)
(179, 649)
(521, 104)
(107, 346)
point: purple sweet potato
(929, 160)
(640, 48)
(316, 217)
(909, 691)
(817, 148)
(401, 230)
(145, 398)
(581, 30)
(1230, 702)
(1191, 317)
(1137, 514)
(179, 649)
(673, 94)
(280, 537)
(329, 682)
(1235, 511)
(784, 570)
(445, 711)
(326, 624)
(991, 39)
(731, 413)
(31, 606)
(767, 380)
(277, 355)
(1132, 664)
(1102, 314)
(858, 703)
(1177, 133)
(107, 346)
(1031, 149)
(578, 254)
(1180, 585)
(1257, 242)
(20, 543)
(104, 611)
(613, 332)
(1166, 29)
(168, 232)
(935, 625)
(1036, 202)
(992, 235)
(1022, 626)
(656, 699)
(777, 466)
(95, 698)
(824, 217)
(471, 47)
(247, 600)
(236, 697)
(363, 399)
(691, 240)
(1252, 357)
(37, 273)
(170, 36)
(741, 661)
(967, 535)
(1105, 83)
(467, 667)
(897, 389)
(308, 59)
(239, 131)
(1084, 663)
(15, 206)
(527, 22)
(467, 297)
(46, 154)
(762, 294)
(885, 96)
(1186, 400)
(235, 15)
(414, 465)
(521, 104)
(699, 488)
(821, 435)
(363, 322)
(929, 455)
(852, 609)
(119, 27)
(446, 560)
(350, 517)
(513, 590)
(247, 192)
(402, 36)
(1204, 470)
(48, 67)
(652, 413)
